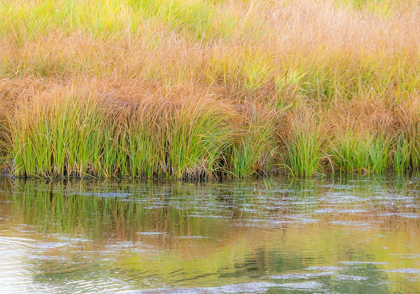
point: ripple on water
(194, 237)
(309, 286)
(351, 278)
(324, 210)
(47, 258)
(73, 240)
(406, 256)
(256, 287)
(208, 216)
(340, 198)
(324, 268)
(106, 194)
(152, 233)
(408, 215)
(277, 220)
(301, 276)
(350, 223)
(51, 245)
(363, 262)
(353, 211)
(413, 271)
(303, 219)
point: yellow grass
(356, 64)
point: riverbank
(204, 89)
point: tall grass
(60, 136)
(144, 141)
(197, 138)
(409, 144)
(256, 146)
(304, 145)
(401, 160)
(151, 88)
(79, 136)
(359, 152)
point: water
(316, 236)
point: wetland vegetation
(321, 98)
(200, 89)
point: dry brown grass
(356, 64)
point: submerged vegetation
(196, 89)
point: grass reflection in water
(343, 235)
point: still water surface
(354, 235)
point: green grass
(197, 137)
(401, 162)
(358, 152)
(74, 136)
(80, 136)
(31, 19)
(68, 137)
(304, 146)
(256, 147)
(194, 88)
(201, 18)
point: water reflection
(337, 235)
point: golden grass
(194, 66)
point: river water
(352, 235)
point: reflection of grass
(227, 251)
(176, 208)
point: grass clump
(361, 152)
(59, 136)
(203, 19)
(408, 143)
(143, 142)
(256, 147)
(75, 136)
(304, 144)
(198, 134)
(401, 161)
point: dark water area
(352, 235)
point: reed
(401, 160)
(144, 141)
(408, 114)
